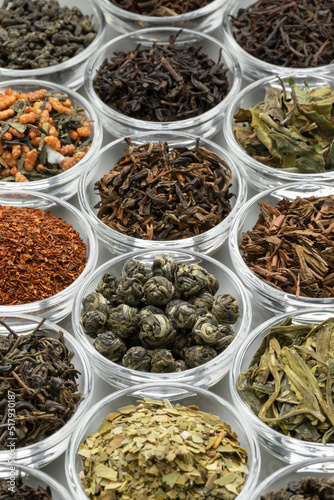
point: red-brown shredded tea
(40, 255)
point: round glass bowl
(33, 477)
(48, 449)
(285, 448)
(318, 468)
(188, 395)
(258, 175)
(201, 376)
(71, 72)
(119, 243)
(203, 20)
(65, 184)
(204, 125)
(253, 68)
(56, 307)
(265, 295)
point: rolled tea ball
(135, 269)
(198, 355)
(162, 361)
(164, 265)
(212, 285)
(180, 342)
(156, 331)
(148, 310)
(94, 322)
(123, 320)
(171, 304)
(180, 365)
(129, 291)
(107, 286)
(190, 280)
(158, 291)
(226, 309)
(110, 346)
(203, 301)
(137, 358)
(95, 301)
(205, 330)
(183, 315)
(226, 337)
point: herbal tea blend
(161, 450)
(23, 490)
(41, 135)
(288, 384)
(292, 131)
(160, 8)
(38, 369)
(308, 488)
(162, 82)
(155, 192)
(40, 255)
(159, 320)
(37, 33)
(292, 34)
(291, 246)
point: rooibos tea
(161, 8)
(162, 82)
(292, 34)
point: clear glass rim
(250, 279)
(254, 451)
(231, 9)
(284, 471)
(87, 52)
(73, 172)
(59, 297)
(107, 365)
(249, 162)
(168, 20)
(293, 444)
(110, 113)
(72, 344)
(39, 475)
(105, 233)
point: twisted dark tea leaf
(163, 83)
(308, 488)
(23, 490)
(161, 8)
(296, 34)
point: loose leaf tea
(291, 246)
(162, 83)
(38, 34)
(149, 318)
(161, 450)
(41, 135)
(23, 491)
(40, 255)
(160, 8)
(289, 383)
(38, 369)
(308, 488)
(292, 131)
(158, 193)
(292, 34)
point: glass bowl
(204, 125)
(33, 477)
(258, 175)
(71, 72)
(65, 184)
(318, 468)
(48, 449)
(201, 376)
(119, 243)
(205, 400)
(265, 295)
(285, 448)
(253, 68)
(56, 307)
(203, 20)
